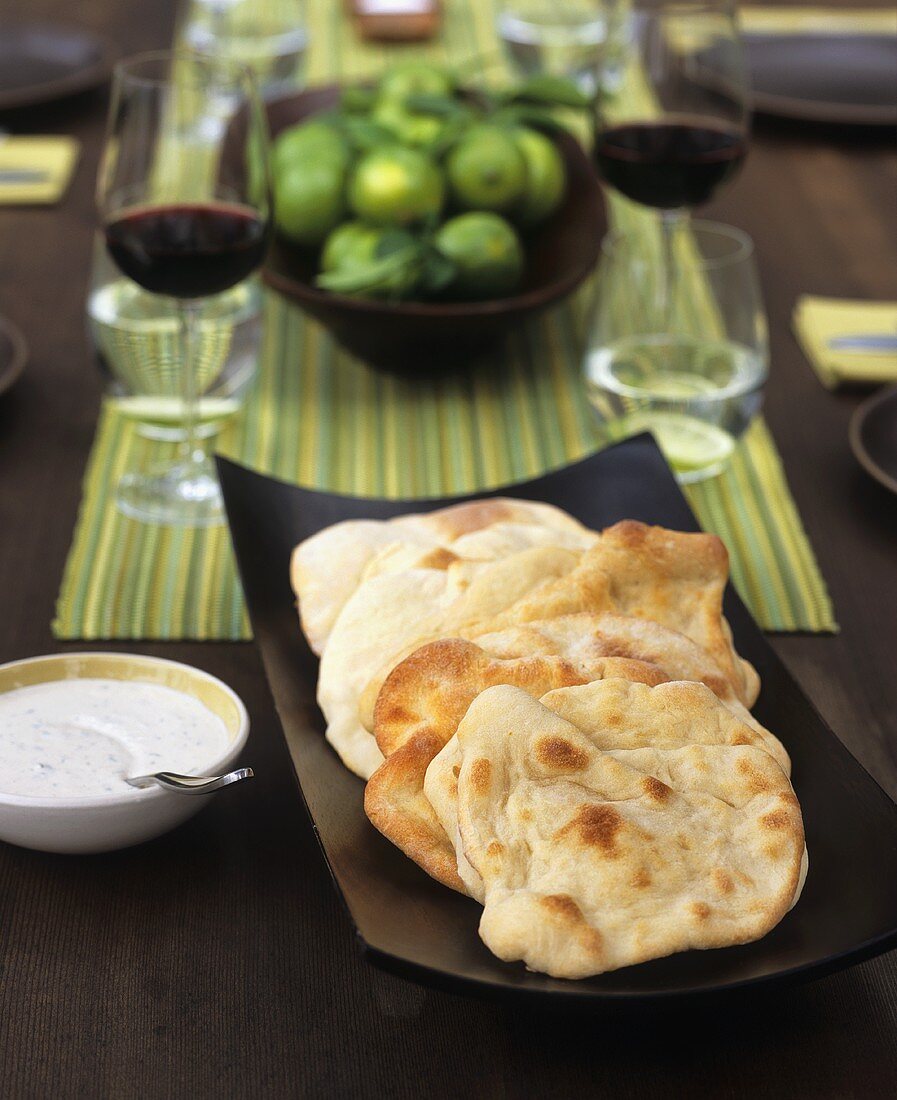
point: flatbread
(422, 702)
(585, 637)
(328, 567)
(671, 581)
(620, 715)
(407, 594)
(587, 859)
(426, 695)
(393, 613)
(674, 578)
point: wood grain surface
(216, 961)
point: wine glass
(679, 131)
(270, 38)
(562, 37)
(184, 219)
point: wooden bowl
(414, 336)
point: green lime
(486, 170)
(410, 127)
(309, 201)
(351, 244)
(546, 177)
(487, 252)
(414, 78)
(396, 186)
(309, 141)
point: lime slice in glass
(691, 446)
(170, 410)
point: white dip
(80, 738)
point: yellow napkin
(762, 20)
(817, 320)
(54, 156)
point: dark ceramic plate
(42, 63)
(13, 354)
(844, 80)
(410, 335)
(873, 437)
(408, 923)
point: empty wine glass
(269, 37)
(563, 37)
(183, 220)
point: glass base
(185, 495)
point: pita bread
(671, 577)
(682, 713)
(425, 696)
(422, 701)
(670, 580)
(391, 614)
(588, 860)
(587, 635)
(327, 568)
(583, 638)
(405, 593)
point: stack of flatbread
(555, 721)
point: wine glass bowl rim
(686, 7)
(222, 72)
(741, 245)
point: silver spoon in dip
(191, 784)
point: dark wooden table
(217, 960)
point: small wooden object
(396, 20)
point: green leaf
(442, 106)
(363, 134)
(357, 100)
(437, 271)
(375, 276)
(450, 134)
(393, 240)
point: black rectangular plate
(409, 923)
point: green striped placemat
(321, 418)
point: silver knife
(874, 342)
(23, 175)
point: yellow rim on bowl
(213, 693)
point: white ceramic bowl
(103, 823)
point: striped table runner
(320, 418)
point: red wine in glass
(187, 220)
(669, 165)
(678, 130)
(187, 250)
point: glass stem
(191, 450)
(670, 223)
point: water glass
(269, 37)
(135, 338)
(567, 38)
(692, 370)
